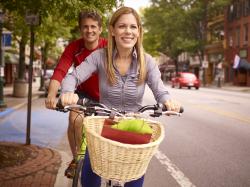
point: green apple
(134, 125)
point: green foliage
(175, 26)
(58, 19)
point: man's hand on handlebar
(50, 102)
(69, 98)
(173, 105)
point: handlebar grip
(81, 102)
(181, 110)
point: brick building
(237, 37)
(214, 49)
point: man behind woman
(124, 70)
(90, 26)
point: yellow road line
(224, 113)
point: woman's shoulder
(98, 52)
(150, 61)
(97, 56)
(148, 56)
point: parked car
(185, 79)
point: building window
(217, 33)
(244, 11)
(243, 53)
(247, 7)
(230, 38)
(245, 34)
(231, 12)
(238, 9)
(237, 37)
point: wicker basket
(118, 161)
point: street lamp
(2, 104)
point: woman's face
(126, 31)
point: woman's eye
(122, 26)
(133, 27)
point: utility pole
(2, 104)
(32, 39)
(32, 20)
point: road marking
(224, 113)
(175, 172)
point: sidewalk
(230, 87)
(14, 103)
(38, 166)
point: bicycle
(96, 113)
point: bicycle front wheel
(77, 176)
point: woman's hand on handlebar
(173, 105)
(69, 98)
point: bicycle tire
(77, 177)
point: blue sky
(136, 4)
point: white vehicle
(48, 75)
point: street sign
(32, 18)
(1, 71)
(6, 38)
(205, 64)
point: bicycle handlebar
(94, 108)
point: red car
(185, 79)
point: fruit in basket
(134, 125)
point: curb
(61, 180)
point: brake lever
(64, 110)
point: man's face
(90, 31)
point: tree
(175, 26)
(58, 17)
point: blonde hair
(138, 46)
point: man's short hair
(89, 14)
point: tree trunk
(21, 84)
(21, 68)
(176, 66)
(44, 51)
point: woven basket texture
(118, 161)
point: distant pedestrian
(241, 63)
